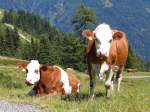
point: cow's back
(74, 82)
(50, 79)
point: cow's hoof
(92, 96)
(107, 84)
(108, 97)
(101, 77)
(31, 93)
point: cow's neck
(90, 45)
(42, 69)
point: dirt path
(136, 77)
(12, 107)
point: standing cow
(110, 49)
(50, 80)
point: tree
(147, 66)
(28, 22)
(72, 53)
(16, 39)
(34, 49)
(26, 51)
(134, 61)
(2, 48)
(44, 53)
(8, 42)
(85, 18)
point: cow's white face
(103, 35)
(33, 73)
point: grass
(10, 61)
(138, 74)
(134, 96)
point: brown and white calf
(110, 49)
(51, 80)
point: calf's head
(33, 72)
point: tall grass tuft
(6, 81)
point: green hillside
(130, 16)
(26, 36)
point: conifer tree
(16, 39)
(44, 53)
(83, 19)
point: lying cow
(110, 49)
(51, 80)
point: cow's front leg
(40, 90)
(104, 67)
(109, 84)
(119, 78)
(109, 80)
(118, 82)
(92, 84)
(92, 79)
(32, 92)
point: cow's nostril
(28, 82)
(100, 53)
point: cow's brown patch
(50, 83)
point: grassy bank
(10, 61)
(134, 96)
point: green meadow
(134, 95)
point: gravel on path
(12, 107)
(136, 77)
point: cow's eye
(36, 71)
(98, 41)
(110, 41)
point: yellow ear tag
(90, 38)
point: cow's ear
(43, 67)
(88, 34)
(21, 66)
(117, 35)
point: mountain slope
(133, 17)
(23, 35)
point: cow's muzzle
(28, 83)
